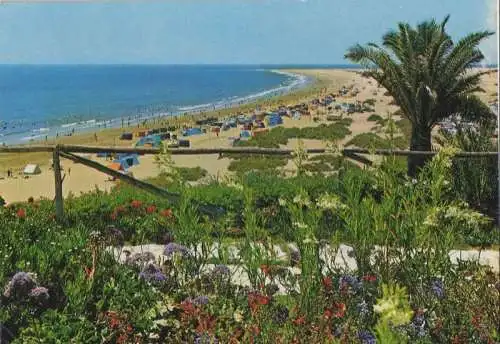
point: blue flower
(174, 248)
(362, 308)
(201, 300)
(418, 325)
(152, 274)
(437, 288)
(221, 270)
(350, 281)
(366, 337)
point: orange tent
(116, 166)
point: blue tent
(127, 160)
(274, 120)
(153, 140)
(245, 133)
(192, 131)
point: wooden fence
(68, 152)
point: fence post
(58, 184)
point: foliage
(428, 75)
(375, 118)
(395, 282)
(280, 135)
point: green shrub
(375, 118)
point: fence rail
(235, 150)
(68, 152)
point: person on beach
(69, 171)
(95, 137)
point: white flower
(300, 225)
(161, 322)
(238, 316)
(282, 202)
(301, 200)
(310, 239)
(414, 181)
(332, 202)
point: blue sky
(216, 31)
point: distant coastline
(43, 131)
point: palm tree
(428, 75)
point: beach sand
(83, 179)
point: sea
(42, 101)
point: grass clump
(375, 118)
(280, 135)
(371, 140)
(245, 164)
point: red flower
(114, 323)
(299, 320)
(122, 339)
(327, 283)
(339, 310)
(151, 209)
(136, 204)
(21, 213)
(328, 313)
(89, 272)
(369, 278)
(166, 213)
(114, 216)
(255, 300)
(188, 308)
(265, 269)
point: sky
(218, 31)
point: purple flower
(20, 285)
(221, 270)
(39, 294)
(366, 337)
(437, 288)
(350, 281)
(152, 273)
(200, 300)
(173, 248)
(418, 325)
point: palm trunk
(420, 141)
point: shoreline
(292, 82)
(110, 136)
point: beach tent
(127, 160)
(152, 141)
(245, 134)
(184, 143)
(192, 131)
(117, 166)
(274, 120)
(32, 169)
(126, 136)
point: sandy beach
(82, 179)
